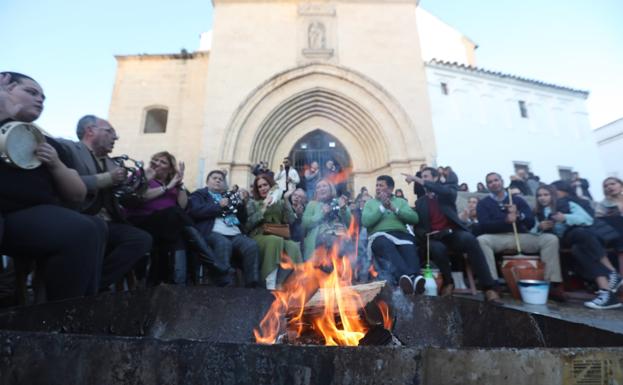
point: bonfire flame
(387, 320)
(331, 274)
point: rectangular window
(444, 88)
(523, 110)
(156, 121)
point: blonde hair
(171, 159)
(331, 187)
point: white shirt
(292, 174)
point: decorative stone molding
(317, 41)
(368, 121)
(317, 24)
(316, 9)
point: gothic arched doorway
(321, 147)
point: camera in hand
(335, 209)
(235, 200)
(128, 194)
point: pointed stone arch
(366, 118)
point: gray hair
(83, 123)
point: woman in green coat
(325, 215)
(268, 207)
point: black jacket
(446, 197)
(204, 210)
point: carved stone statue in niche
(316, 36)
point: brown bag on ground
(279, 230)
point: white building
(490, 121)
(609, 139)
(389, 84)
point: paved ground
(572, 310)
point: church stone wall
(174, 82)
(255, 41)
(380, 40)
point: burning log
(316, 304)
(318, 300)
(377, 335)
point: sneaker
(604, 300)
(614, 281)
(419, 284)
(406, 284)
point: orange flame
(329, 274)
(387, 320)
(340, 177)
(372, 271)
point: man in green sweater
(391, 245)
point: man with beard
(89, 156)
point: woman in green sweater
(325, 215)
(267, 207)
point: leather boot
(197, 244)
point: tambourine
(18, 142)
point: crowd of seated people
(88, 237)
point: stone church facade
(341, 79)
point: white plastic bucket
(534, 292)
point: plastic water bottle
(430, 287)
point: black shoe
(614, 281)
(406, 285)
(412, 284)
(605, 300)
(419, 284)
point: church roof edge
(179, 56)
(416, 2)
(502, 75)
(609, 124)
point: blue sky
(69, 45)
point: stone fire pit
(203, 335)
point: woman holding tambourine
(34, 184)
